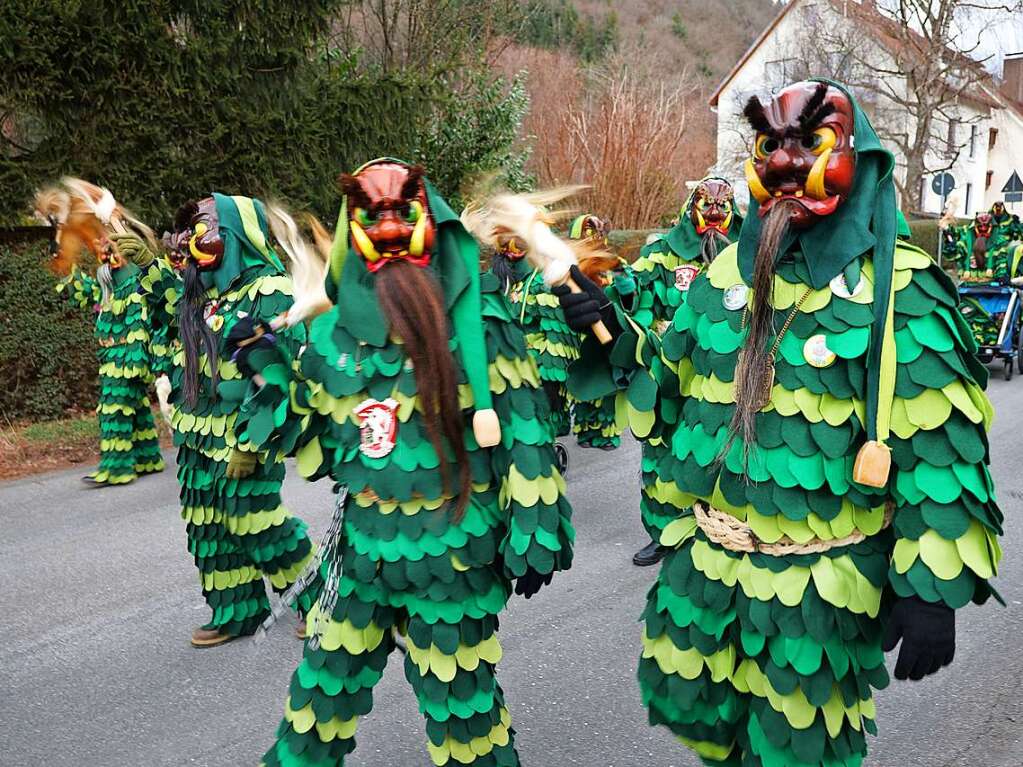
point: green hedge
(47, 353)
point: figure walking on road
(417, 395)
(238, 529)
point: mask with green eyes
(389, 215)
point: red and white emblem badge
(684, 276)
(378, 426)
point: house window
(973, 141)
(992, 137)
(969, 198)
(951, 142)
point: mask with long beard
(196, 247)
(393, 232)
(711, 213)
(802, 170)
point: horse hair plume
(752, 363)
(196, 336)
(710, 244)
(413, 306)
(307, 264)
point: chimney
(1012, 77)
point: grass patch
(83, 427)
(32, 448)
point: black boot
(650, 554)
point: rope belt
(735, 535)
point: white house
(982, 137)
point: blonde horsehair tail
(308, 266)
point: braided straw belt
(735, 535)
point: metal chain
(329, 550)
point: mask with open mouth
(389, 214)
(803, 151)
(711, 207)
(196, 236)
(983, 225)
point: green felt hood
(903, 231)
(683, 239)
(455, 262)
(245, 234)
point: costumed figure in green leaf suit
(825, 416)
(417, 397)
(550, 341)
(665, 269)
(594, 422)
(88, 216)
(238, 530)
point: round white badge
(817, 353)
(841, 288)
(735, 297)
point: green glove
(133, 248)
(241, 464)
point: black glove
(246, 335)
(928, 634)
(584, 309)
(531, 582)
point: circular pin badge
(841, 288)
(684, 276)
(735, 297)
(817, 353)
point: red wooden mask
(803, 151)
(389, 214)
(711, 207)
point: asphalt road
(99, 596)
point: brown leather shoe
(209, 637)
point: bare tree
(428, 34)
(914, 65)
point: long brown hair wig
(413, 305)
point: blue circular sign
(943, 183)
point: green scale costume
(405, 564)
(238, 529)
(129, 443)
(663, 272)
(761, 659)
(550, 341)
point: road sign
(1013, 189)
(943, 183)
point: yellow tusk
(815, 181)
(701, 221)
(418, 241)
(756, 186)
(799, 193)
(363, 242)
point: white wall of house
(777, 61)
(970, 167)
